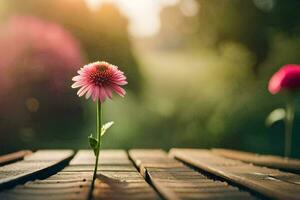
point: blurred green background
(198, 72)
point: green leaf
(105, 127)
(93, 143)
(275, 116)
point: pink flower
(36, 51)
(98, 80)
(288, 77)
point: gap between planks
(40, 164)
(277, 162)
(117, 179)
(268, 182)
(173, 180)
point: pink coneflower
(98, 80)
(288, 77)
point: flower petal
(102, 94)
(89, 92)
(94, 94)
(108, 92)
(77, 78)
(120, 82)
(82, 90)
(120, 91)
(77, 84)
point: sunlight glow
(189, 7)
(143, 15)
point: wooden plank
(173, 180)
(277, 162)
(268, 182)
(64, 185)
(107, 157)
(13, 157)
(33, 166)
(124, 183)
(117, 179)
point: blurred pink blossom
(37, 60)
(99, 80)
(287, 77)
(32, 49)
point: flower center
(102, 68)
(101, 76)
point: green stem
(99, 124)
(290, 112)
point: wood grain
(37, 176)
(13, 157)
(124, 183)
(277, 162)
(33, 166)
(269, 182)
(173, 180)
(117, 178)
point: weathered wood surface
(13, 157)
(33, 165)
(64, 185)
(277, 162)
(117, 178)
(173, 180)
(269, 182)
(49, 176)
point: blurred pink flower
(98, 80)
(37, 62)
(287, 77)
(32, 50)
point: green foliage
(275, 116)
(93, 143)
(105, 127)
